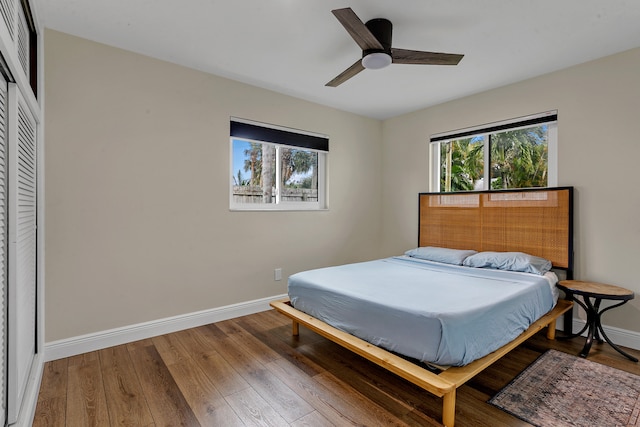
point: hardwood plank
(50, 413)
(135, 345)
(313, 419)
(340, 387)
(264, 320)
(254, 410)
(279, 326)
(83, 359)
(86, 401)
(473, 410)
(250, 344)
(170, 348)
(196, 341)
(418, 419)
(167, 404)
(54, 379)
(326, 403)
(213, 331)
(360, 409)
(125, 397)
(403, 399)
(220, 372)
(203, 398)
(377, 384)
(272, 340)
(226, 379)
(388, 386)
(52, 399)
(287, 403)
(501, 373)
(330, 404)
(228, 327)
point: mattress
(436, 313)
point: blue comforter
(436, 313)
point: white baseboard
(622, 337)
(90, 342)
(99, 340)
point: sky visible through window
(239, 157)
(239, 147)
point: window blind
(522, 122)
(278, 135)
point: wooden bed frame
(536, 221)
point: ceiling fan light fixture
(376, 60)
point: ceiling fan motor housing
(382, 29)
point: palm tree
(268, 173)
(239, 179)
(462, 164)
(253, 163)
(519, 158)
(294, 161)
(260, 160)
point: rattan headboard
(536, 221)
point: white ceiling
(296, 46)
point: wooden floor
(251, 371)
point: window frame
(549, 118)
(258, 133)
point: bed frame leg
(551, 330)
(295, 330)
(449, 408)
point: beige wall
(598, 107)
(137, 163)
(138, 225)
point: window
(519, 153)
(276, 168)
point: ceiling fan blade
(404, 56)
(347, 74)
(358, 31)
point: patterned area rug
(560, 390)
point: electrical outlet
(277, 274)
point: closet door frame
(21, 59)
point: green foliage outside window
(517, 159)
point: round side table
(592, 295)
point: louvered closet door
(3, 248)
(22, 43)
(22, 248)
(8, 10)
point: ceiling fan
(374, 38)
